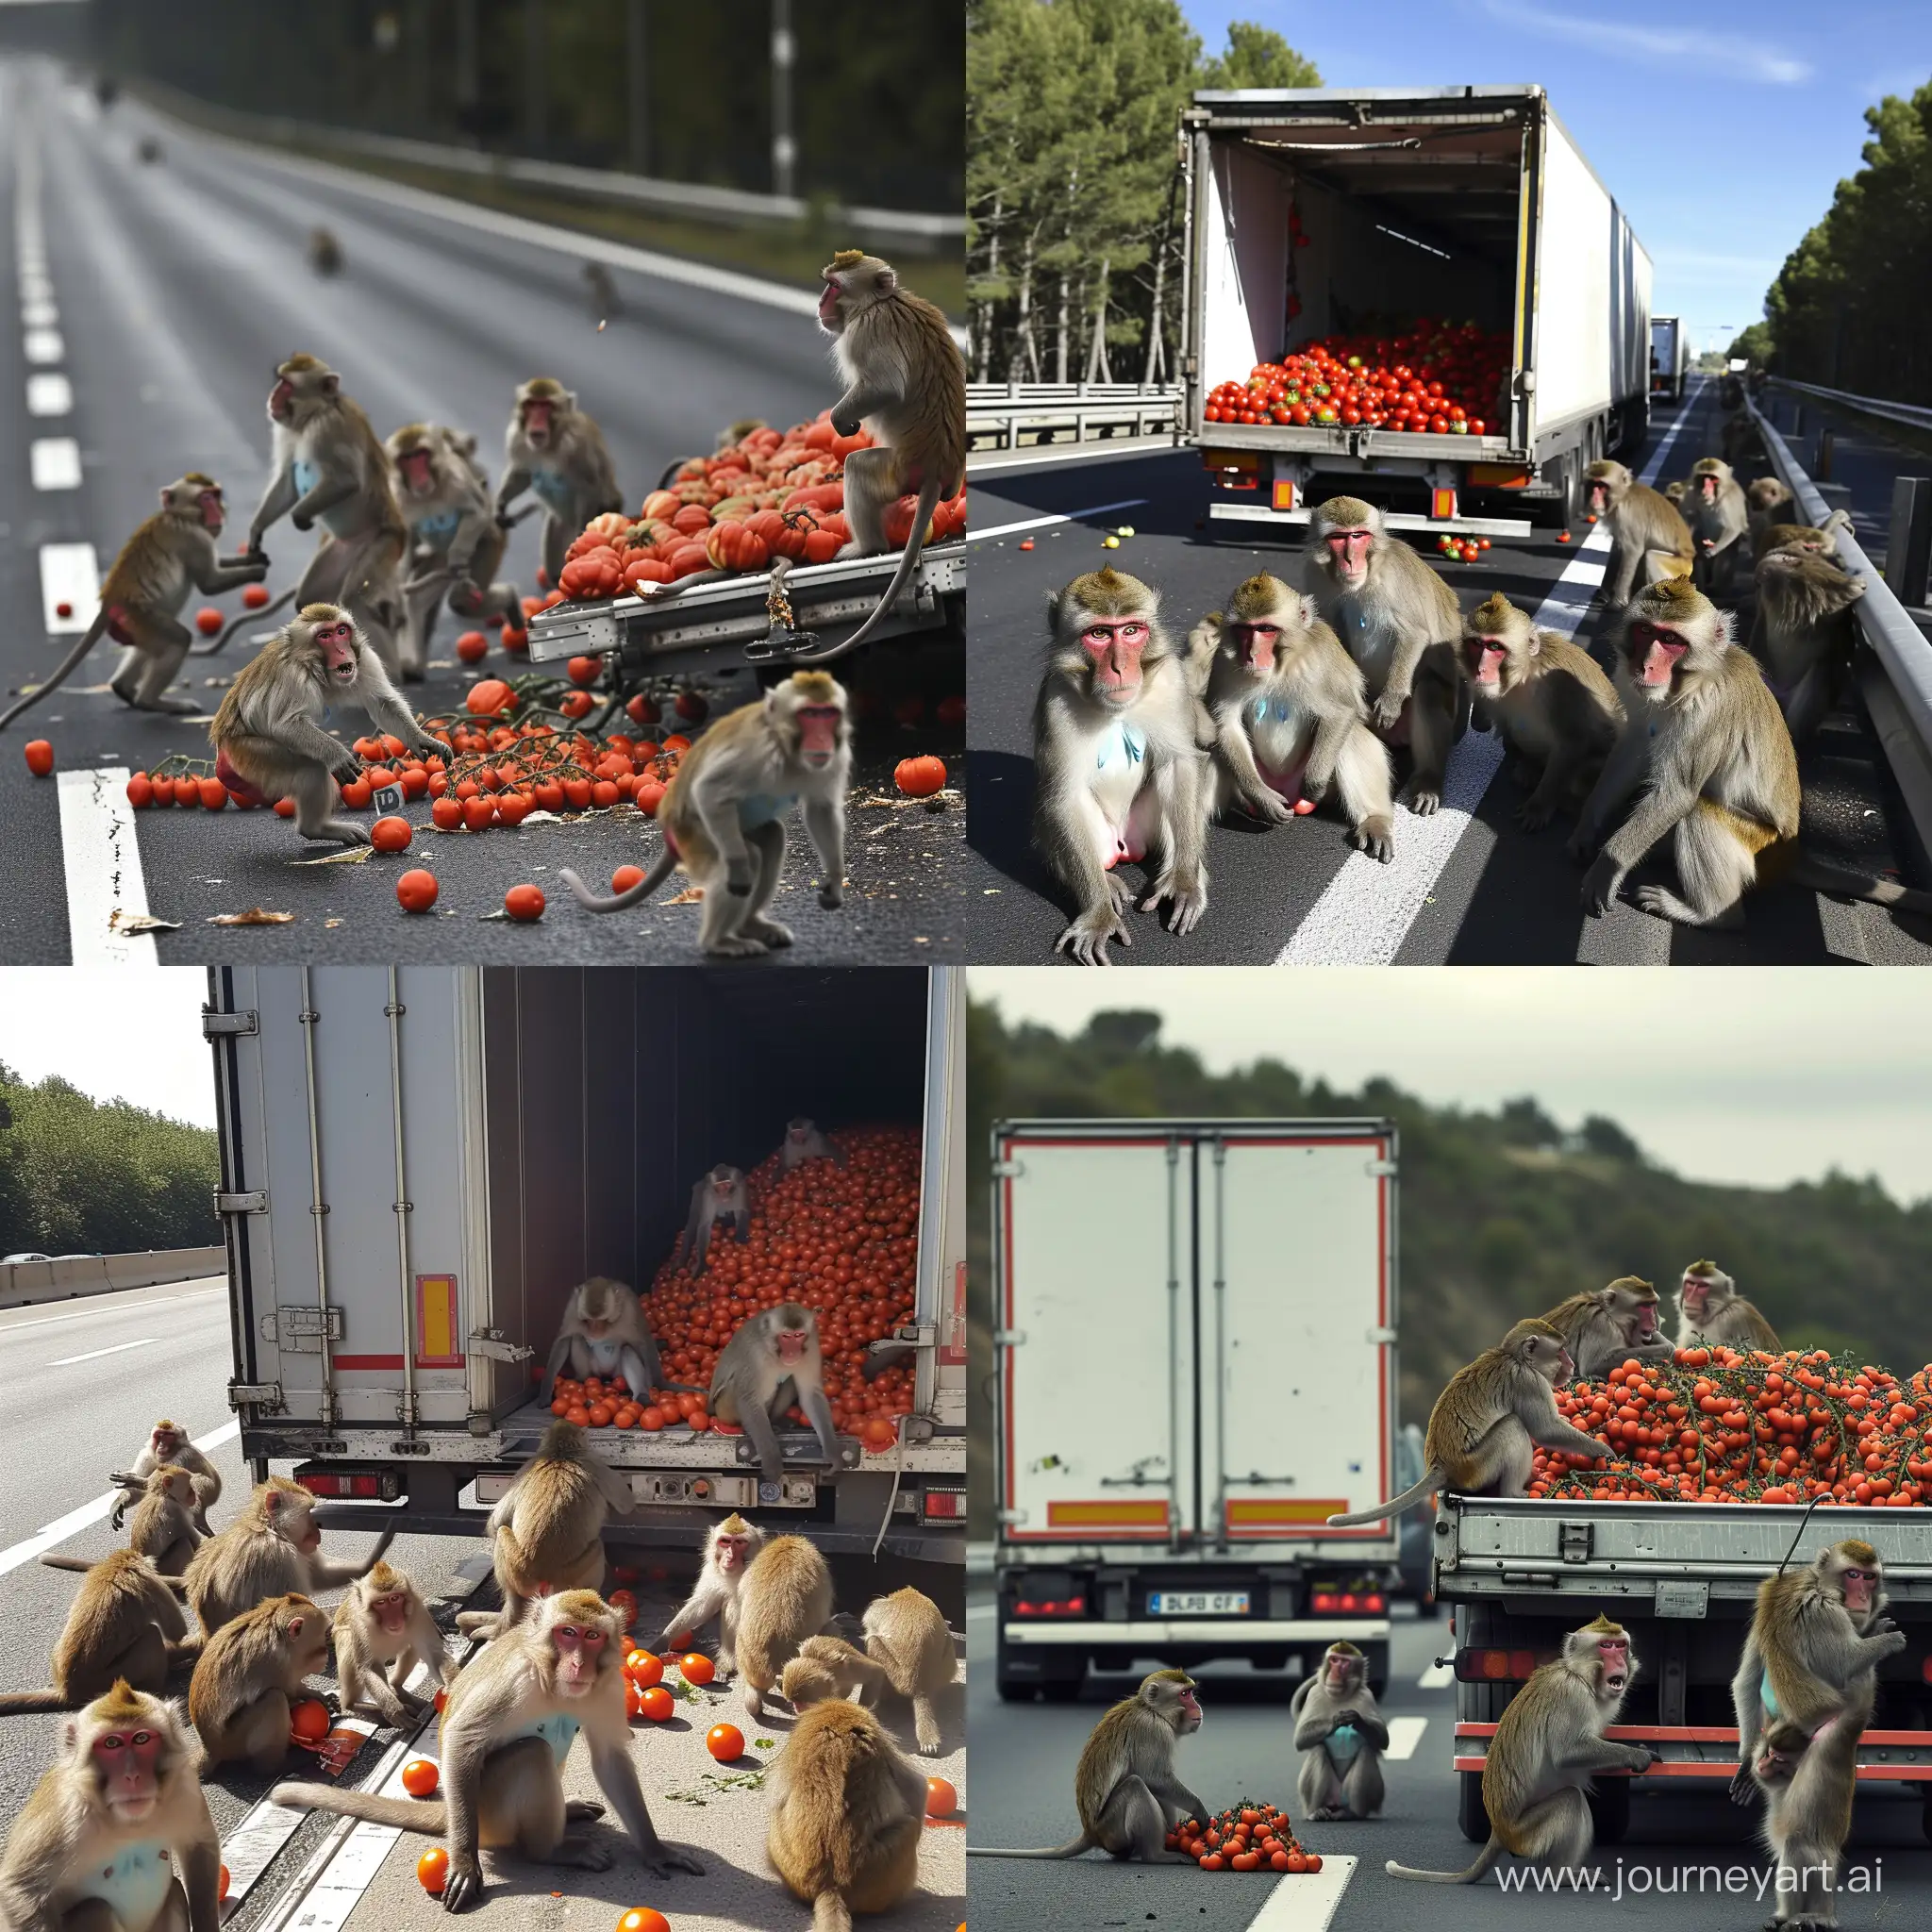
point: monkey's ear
(331, 383)
(164, 499)
(295, 1626)
(885, 281)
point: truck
(418, 1164)
(1670, 356)
(1318, 210)
(1194, 1340)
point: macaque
(769, 1365)
(1548, 1745)
(1399, 621)
(1719, 516)
(1558, 714)
(803, 1142)
(1119, 774)
(1807, 1783)
(1128, 1794)
(1648, 534)
(909, 1651)
(600, 290)
(168, 1443)
(1711, 1314)
(1610, 1325)
(249, 1675)
(1804, 633)
(1485, 1426)
(1288, 716)
(124, 1622)
(786, 1597)
(511, 1717)
(906, 382)
(847, 1813)
(1339, 1731)
(605, 1333)
(455, 543)
(268, 737)
(722, 1195)
(382, 1630)
(1674, 493)
(723, 813)
(557, 450)
(324, 253)
(729, 1551)
(146, 585)
(163, 1529)
(1766, 499)
(1819, 540)
(117, 1836)
(828, 1666)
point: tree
(1258, 57)
(1755, 345)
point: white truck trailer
(1670, 356)
(418, 1164)
(1319, 211)
(1195, 1347)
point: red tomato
(694, 1667)
(920, 777)
(309, 1720)
(141, 789)
(416, 891)
(656, 1702)
(724, 1742)
(432, 1869)
(642, 1919)
(941, 1799)
(40, 756)
(420, 1777)
(390, 835)
(625, 878)
(207, 620)
(523, 902)
(643, 1668)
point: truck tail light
(354, 1485)
(1348, 1603)
(942, 1506)
(1051, 1607)
(1441, 503)
(1495, 1666)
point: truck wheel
(1609, 1810)
(1060, 1690)
(1471, 1819)
(1925, 1812)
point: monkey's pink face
(1774, 1767)
(165, 1445)
(818, 733)
(791, 1343)
(537, 421)
(1257, 644)
(597, 1326)
(577, 1650)
(1646, 1320)
(1485, 658)
(212, 513)
(1115, 644)
(419, 477)
(724, 1187)
(1858, 1585)
(731, 1551)
(1653, 651)
(1694, 1294)
(1707, 489)
(337, 643)
(1338, 1672)
(124, 1761)
(829, 316)
(1614, 1654)
(1348, 552)
(1599, 498)
(1190, 1710)
(281, 400)
(392, 1611)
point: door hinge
(1010, 1519)
(1008, 1170)
(1380, 1338)
(228, 1026)
(300, 1331)
(1575, 1541)
(1380, 1169)
(255, 1203)
(489, 1341)
(261, 1394)
(1009, 1338)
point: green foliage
(1258, 57)
(85, 1176)
(1755, 345)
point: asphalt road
(1500, 896)
(1023, 1755)
(178, 286)
(69, 1414)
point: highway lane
(1502, 895)
(177, 288)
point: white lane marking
(1306, 1900)
(92, 1512)
(1405, 1734)
(49, 395)
(44, 345)
(1437, 1677)
(1366, 910)
(1072, 516)
(102, 856)
(201, 1294)
(54, 462)
(94, 1355)
(70, 574)
(38, 315)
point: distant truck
(1313, 211)
(1670, 356)
(1195, 1347)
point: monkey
(1399, 621)
(728, 1550)
(124, 1622)
(906, 381)
(1339, 1731)
(828, 1666)
(324, 253)
(146, 585)
(1765, 498)
(1674, 492)
(769, 1365)
(1119, 774)
(328, 467)
(270, 1549)
(247, 1675)
(1647, 531)
(1548, 1743)
(1485, 1423)
(168, 1443)
(723, 813)
(1610, 1325)
(1706, 740)
(557, 450)
(1557, 712)
(605, 1333)
(163, 1529)
(721, 1195)
(1820, 539)
(1711, 1312)
(508, 1725)
(1803, 633)
(1807, 1783)
(1290, 717)
(267, 733)
(803, 1142)
(600, 289)
(455, 543)
(117, 1822)
(1816, 1640)
(908, 1650)
(1719, 516)
(846, 1814)
(1125, 1784)
(786, 1597)
(382, 1630)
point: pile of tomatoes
(1718, 1426)
(1246, 1836)
(1441, 378)
(605, 1403)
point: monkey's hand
(1266, 804)
(1088, 937)
(466, 599)
(1388, 711)
(1744, 1787)
(1313, 789)
(1641, 1759)
(1533, 814)
(1600, 885)
(831, 895)
(663, 1859)
(463, 1885)
(302, 519)
(846, 426)
(347, 769)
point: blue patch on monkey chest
(604, 1350)
(1122, 746)
(763, 809)
(1281, 709)
(553, 491)
(439, 528)
(558, 1731)
(1766, 1695)
(1345, 1740)
(135, 1885)
(307, 474)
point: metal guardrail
(999, 413)
(1909, 413)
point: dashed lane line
(70, 574)
(105, 888)
(94, 1355)
(1072, 516)
(49, 394)
(1306, 1900)
(1437, 1677)
(44, 345)
(1405, 1734)
(54, 462)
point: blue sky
(1723, 142)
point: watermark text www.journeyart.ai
(1638, 1881)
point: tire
(1609, 1810)
(1926, 1814)
(1060, 1690)
(1471, 1818)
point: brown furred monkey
(1485, 1426)
(455, 543)
(906, 381)
(1549, 1743)
(1290, 717)
(1719, 517)
(1710, 1311)
(605, 1333)
(1648, 532)
(1804, 633)
(249, 1675)
(382, 1630)
(1820, 539)
(1611, 1324)
(163, 1529)
(1400, 622)
(1119, 772)
(803, 1142)
(786, 1598)
(728, 1552)
(555, 449)
(722, 1195)
(146, 585)
(508, 1725)
(909, 1651)
(1766, 499)
(1339, 1731)
(124, 1622)
(115, 1823)
(772, 1363)
(1808, 1783)
(723, 813)
(1125, 1784)
(168, 1443)
(268, 737)
(1558, 714)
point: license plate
(1198, 1603)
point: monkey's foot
(581, 1810)
(667, 1860)
(1423, 800)
(1330, 1813)
(736, 946)
(164, 707)
(1664, 903)
(589, 1853)
(1533, 816)
(770, 930)
(340, 831)
(1377, 836)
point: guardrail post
(1909, 547)
(1821, 470)
(1797, 419)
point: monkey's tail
(1071, 1849)
(1484, 1859)
(1842, 880)
(830, 1913)
(427, 1815)
(909, 559)
(281, 603)
(66, 669)
(80, 1563)
(26, 1703)
(666, 865)
(1433, 1478)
